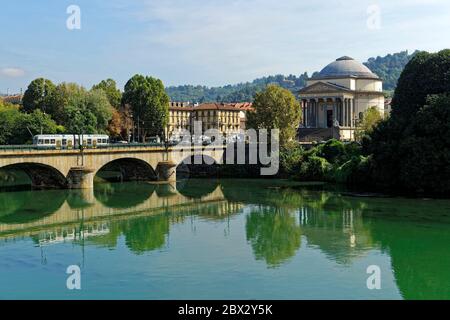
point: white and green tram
(70, 141)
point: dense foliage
(370, 119)
(389, 67)
(114, 95)
(411, 149)
(149, 102)
(242, 92)
(70, 108)
(276, 108)
(17, 127)
(38, 95)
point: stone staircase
(317, 134)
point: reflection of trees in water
(274, 235)
(28, 206)
(123, 195)
(10, 178)
(196, 188)
(145, 234)
(141, 234)
(341, 236)
(329, 221)
(419, 249)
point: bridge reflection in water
(279, 222)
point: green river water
(225, 239)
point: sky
(205, 42)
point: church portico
(327, 112)
(333, 101)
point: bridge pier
(166, 171)
(80, 178)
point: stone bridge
(76, 169)
(63, 213)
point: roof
(346, 67)
(242, 106)
(324, 87)
(223, 106)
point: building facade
(229, 119)
(334, 101)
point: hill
(388, 68)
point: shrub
(333, 150)
(290, 159)
(314, 169)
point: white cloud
(12, 72)
(238, 40)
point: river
(224, 239)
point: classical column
(313, 124)
(346, 113)
(352, 108)
(306, 113)
(349, 117)
(316, 113)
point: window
(99, 140)
(52, 141)
(41, 141)
(89, 141)
(46, 141)
(64, 142)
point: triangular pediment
(323, 87)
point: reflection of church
(334, 101)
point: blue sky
(208, 42)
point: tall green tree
(150, 104)
(109, 86)
(371, 118)
(81, 111)
(407, 148)
(17, 127)
(38, 94)
(276, 108)
(426, 74)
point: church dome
(345, 67)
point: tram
(70, 141)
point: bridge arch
(197, 166)
(41, 175)
(126, 169)
(122, 196)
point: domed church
(334, 100)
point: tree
(37, 95)
(426, 74)
(371, 118)
(81, 111)
(276, 108)
(425, 147)
(97, 102)
(109, 86)
(274, 235)
(408, 149)
(150, 104)
(18, 128)
(115, 124)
